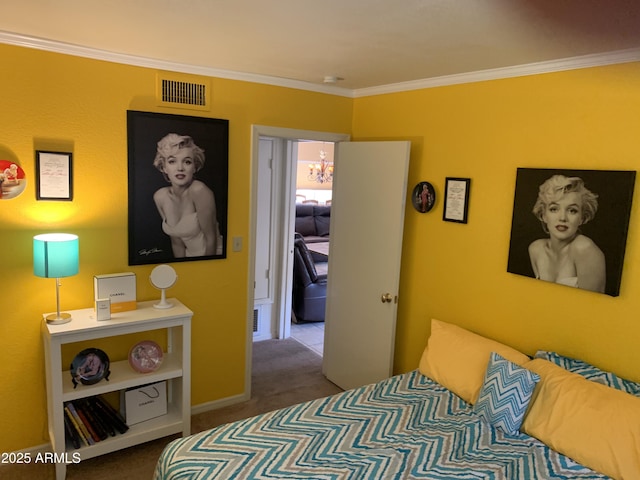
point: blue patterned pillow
(505, 394)
(590, 372)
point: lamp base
(57, 319)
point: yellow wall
(580, 119)
(58, 102)
(584, 119)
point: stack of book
(91, 420)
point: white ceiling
(367, 43)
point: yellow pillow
(591, 423)
(457, 358)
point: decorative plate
(90, 366)
(12, 180)
(145, 356)
(423, 197)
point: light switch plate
(237, 244)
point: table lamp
(56, 255)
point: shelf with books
(91, 420)
(62, 397)
(158, 427)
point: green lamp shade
(55, 255)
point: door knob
(386, 298)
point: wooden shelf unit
(175, 369)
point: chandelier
(321, 172)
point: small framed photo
(456, 199)
(54, 179)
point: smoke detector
(332, 79)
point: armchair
(309, 287)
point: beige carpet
(284, 373)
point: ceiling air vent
(183, 91)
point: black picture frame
(607, 229)
(54, 175)
(148, 242)
(423, 197)
(456, 200)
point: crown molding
(96, 54)
(572, 63)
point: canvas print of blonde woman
(569, 227)
(566, 255)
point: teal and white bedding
(404, 427)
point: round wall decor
(13, 180)
(423, 197)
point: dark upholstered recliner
(309, 287)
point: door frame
(283, 172)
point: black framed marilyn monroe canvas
(178, 187)
(570, 227)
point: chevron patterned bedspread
(404, 427)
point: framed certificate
(456, 200)
(54, 176)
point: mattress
(404, 427)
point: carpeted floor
(284, 373)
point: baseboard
(216, 404)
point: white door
(367, 219)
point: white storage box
(119, 288)
(143, 403)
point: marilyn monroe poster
(178, 184)
(570, 227)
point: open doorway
(314, 191)
(305, 168)
(359, 290)
(274, 185)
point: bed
(407, 426)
